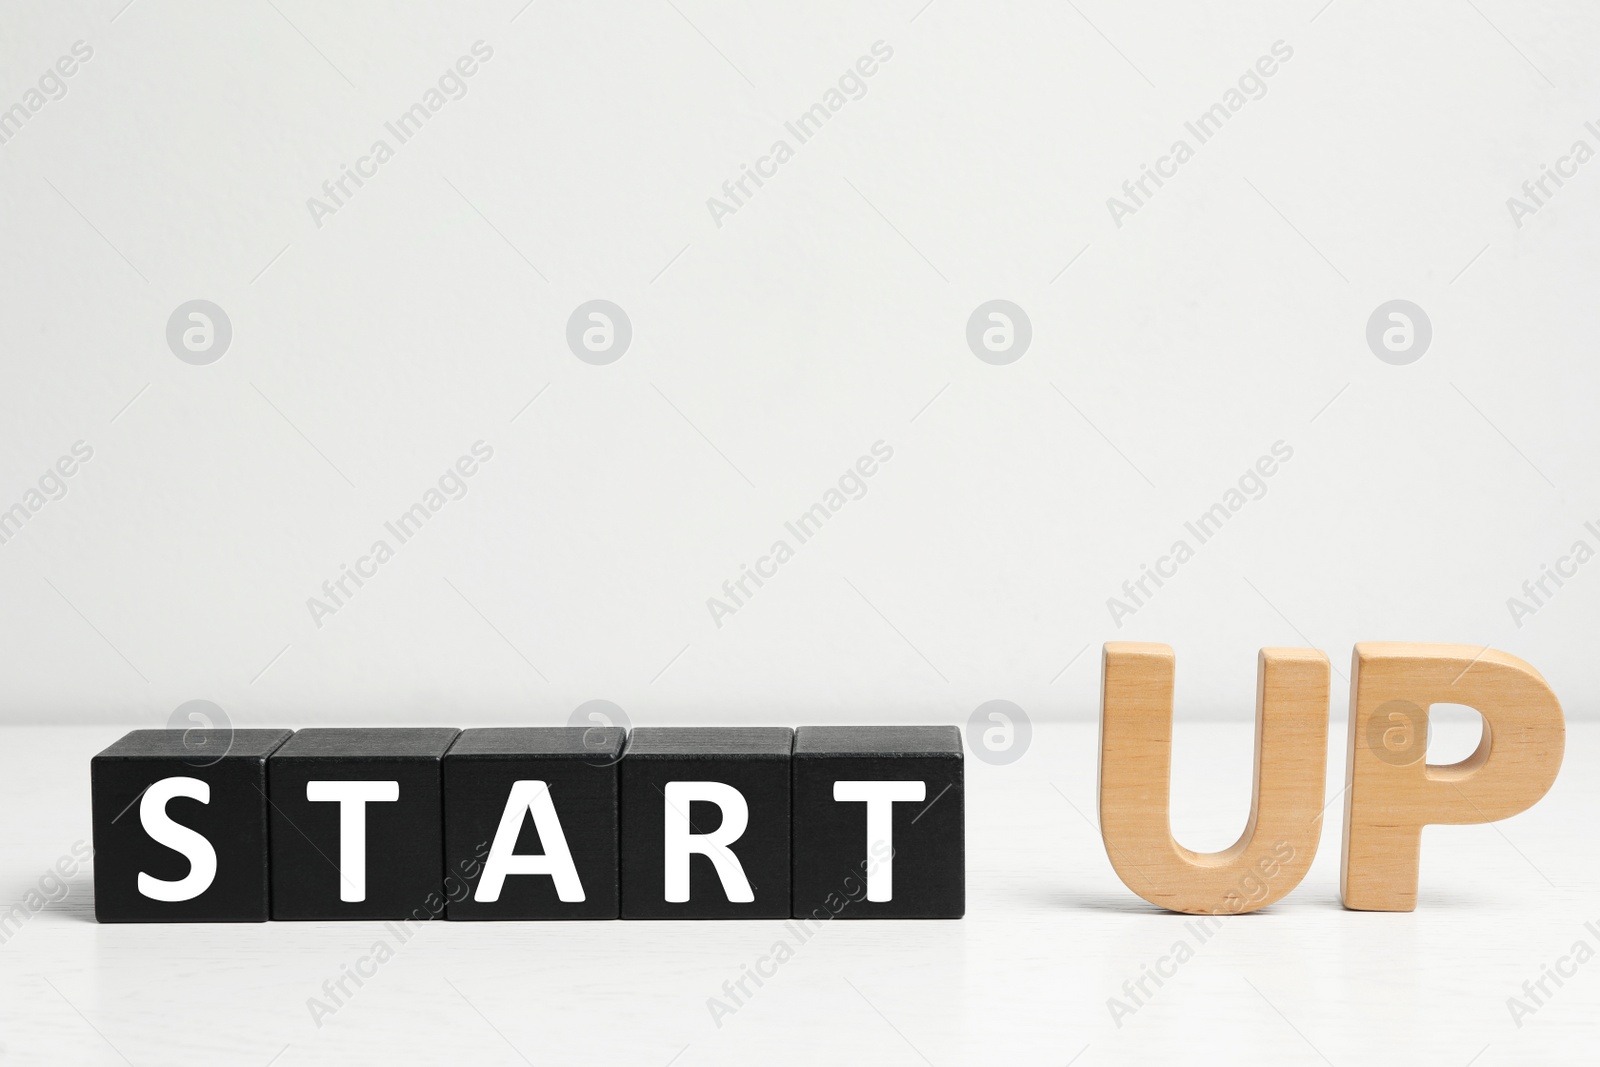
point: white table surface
(1050, 935)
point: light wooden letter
(1392, 792)
(1278, 842)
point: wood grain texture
(1279, 841)
(1392, 792)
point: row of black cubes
(804, 853)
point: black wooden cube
(879, 826)
(705, 823)
(357, 824)
(180, 826)
(530, 823)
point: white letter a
(529, 798)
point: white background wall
(829, 312)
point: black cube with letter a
(530, 823)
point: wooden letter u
(1280, 840)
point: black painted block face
(358, 824)
(868, 795)
(686, 793)
(180, 826)
(540, 798)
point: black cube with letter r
(705, 822)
